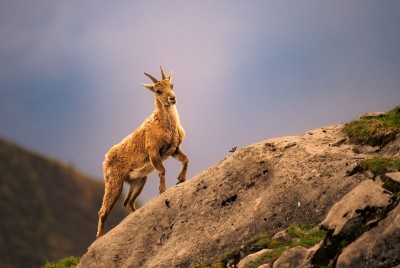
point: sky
(243, 71)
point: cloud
(71, 71)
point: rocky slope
(261, 188)
(47, 210)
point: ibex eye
(158, 91)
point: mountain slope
(259, 189)
(47, 210)
(264, 187)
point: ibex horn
(162, 73)
(151, 77)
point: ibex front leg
(156, 162)
(181, 157)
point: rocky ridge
(261, 188)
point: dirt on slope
(263, 187)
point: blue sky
(244, 71)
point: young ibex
(144, 150)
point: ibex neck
(168, 114)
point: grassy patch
(256, 244)
(305, 235)
(375, 131)
(68, 262)
(298, 235)
(381, 165)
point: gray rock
(378, 247)
(248, 261)
(395, 176)
(292, 258)
(372, 114)
(298, 257)
(281, 236)
(393, 148)
(345, 215)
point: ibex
(144, 151)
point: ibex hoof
(180, 181)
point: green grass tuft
(375, 131)
(68, 262)
(381, 165)
(299, 235)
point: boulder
(248, 261)
(348, 213)
(378, 247)
(298, 257)
(392, 148)
(293, 257)
(281, 236)
(394, 176)
(373, 114)
(266, 265)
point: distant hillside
(47, 210)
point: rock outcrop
(249, 260)
(263, 187)
(363, 231)
(362, 203)
(380, 245)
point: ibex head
(162, 88)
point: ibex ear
(169, 75)
(148, 86)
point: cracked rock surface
(380, 245)
(346, 214)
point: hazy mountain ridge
(43, 204)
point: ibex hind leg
(111, 195)
(181, 157)
(128, 196)
(136, 187)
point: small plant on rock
(379, 166)
(68, 262)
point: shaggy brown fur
(144, 150)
